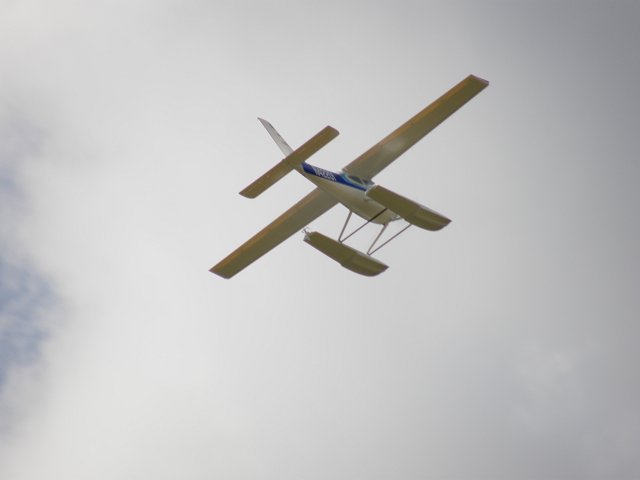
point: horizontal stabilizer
(290, 162)
(348, 257)
(411, 211)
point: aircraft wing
(294, 219)
(380, 156)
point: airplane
(352, 187)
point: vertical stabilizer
(284, 146)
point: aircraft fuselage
(350, 191)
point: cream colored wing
(378, 157)
(294, 219)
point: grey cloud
(502, 347)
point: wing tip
(478, 80)
(248, 192)
(218, 272)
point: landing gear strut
(372, 249)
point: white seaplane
(352, 188)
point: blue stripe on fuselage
(331, 176)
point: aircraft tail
(292, 160)
(284, 146)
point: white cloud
(498, 348)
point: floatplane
(352, 187)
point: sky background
(504, 346)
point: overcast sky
(502, 347)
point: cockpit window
(358, 180)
